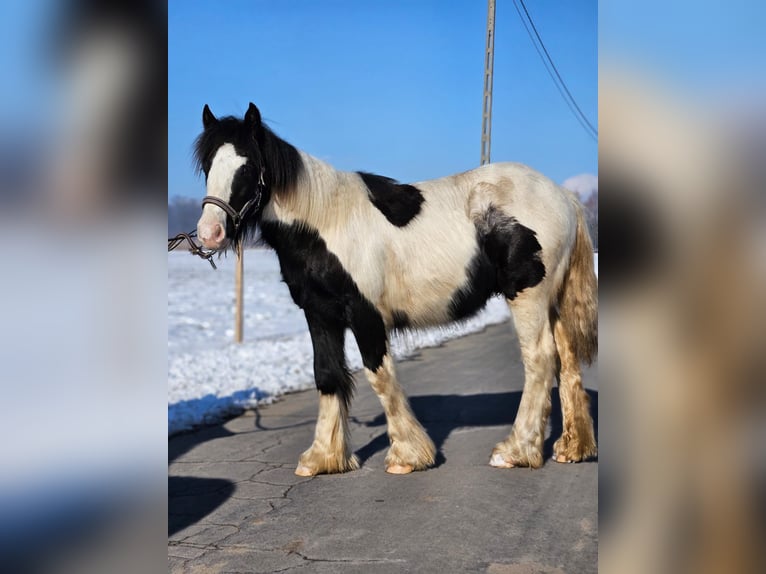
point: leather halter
(237, 217)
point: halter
(237, 217)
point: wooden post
(238, 318)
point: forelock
(226, 130)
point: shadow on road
(182, 443)
(191, 498)
(441, 414)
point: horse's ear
(253, 116)
(208, 119)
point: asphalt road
(235, 505)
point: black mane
(264, 149)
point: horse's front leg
(331, 451)
(411, 448)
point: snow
(211, 377)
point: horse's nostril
(211, 235)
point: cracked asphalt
(234, 504)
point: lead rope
(194, 249)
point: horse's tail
(578, 297)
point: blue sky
(714, 46)
(391, 87)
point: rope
(194, 249)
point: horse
(366, 253)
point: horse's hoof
(568, 450)
(498, 461)
(304, 471)
(399, 469)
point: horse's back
(436, 268)
(519, 191)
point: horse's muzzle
(212, 235)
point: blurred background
(681, 156)
(84, 180)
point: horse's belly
(423, 281)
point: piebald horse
(363, 252)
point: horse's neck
(321, 198)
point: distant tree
(183, 213)
(591, 216)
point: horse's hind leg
(411, 448)
(524, 446)
(577, 441)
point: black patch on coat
(332, 302)
(481, 285)
(514, 251)
(400, 203)
(400, 320)
(508, 261)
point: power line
(548, 63)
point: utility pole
(489, 61)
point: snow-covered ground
(210, 377)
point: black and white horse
(362, 252)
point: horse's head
(231, 153)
